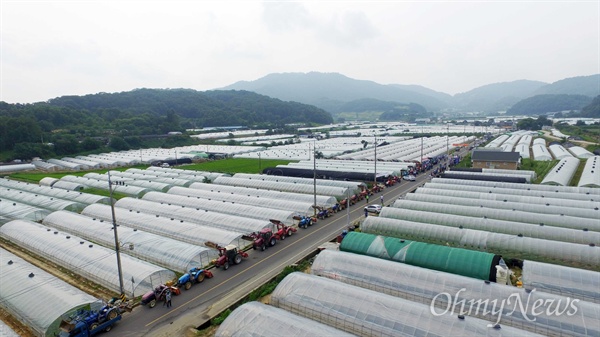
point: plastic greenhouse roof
(16, 210)
(540, 152)
(562, 173)
(209, 175)
(590, 176)
(6, 331)
(256, 212)
(196, 234)
(327, 301)
(257, 319)
(494, 225)
(303, 208)
(93, 262)
(325, 201)
(567, 190)
(68, 185)
(424, 286)
(47, 181)
(134, 191)
(84, 198)
(152, 176)
(166, 252)
(580, 152)
(338, 192)
(513, 246)
(559, 152)
(38, 301)
(41, 201)
(354, 186)
(218, 220)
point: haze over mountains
(332, 91)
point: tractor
(194, 275)
(263, 239)
(158, 294)
(322, 213)
(228, 255)
(303, 221)
(283, 231)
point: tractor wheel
(94, 326)
(254, 246)
(108, 328)
(226, 265)
(282, 237)
(272, 242)
(112, 315)
(152, 303)
(263, 247)
(200, 278)
(237, 259)
(188, 285)
(289, 232)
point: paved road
(203, 301)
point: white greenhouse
(425, 286)
(580, 152)
(68, 165)
(335, 304)
(540, 153)
(562, 173)
(36, 298)
(6, 331)
(539, 141)
(528, 187)
(143, 183)
(325, 201)
(503, 214)
(179, 172)
(496, 142)
(525, 176)
(84, 198)
(16, 168)
(186, 231)
(523, 150)
(354, 186)
(494, 225)
(302, 208)
(15, 210)
(254, 319)
(68, 186)
(163, 251)
(532, 175)
(218, 220)
(559, 152)
(133, 191)
(514, 246)
(86, 163)
(41, 201)
(590, 176)
(338, 192)
(45, 166)
(264, 212)
(47, 181)
(93, 262)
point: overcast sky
(56, 48)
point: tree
(89, 144)
(580, 123)
(118, 144)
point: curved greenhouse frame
(257, 319)
(338, 192)
(133, 191)
(15, 210)
(580, 152)
(68, 185)
(36, 298)
(425, 286)
(590, 176)
(559, 152)
(41, 201)
(264, 212)
(494, 225)
(47, 181)
(193, 173)
(166, 252)
(6, 331)
(562, 173)
(568, 191)
(503, 214)
(540, 152)
(514, 246)
(186, 231)
(335, 304)
(354, 186)
(325, 201)
(213, 219)
(84, 198)
(523, 150)
(525, 176)
(95, 263)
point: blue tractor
(87, 323)
(303, 221)
(194, 275)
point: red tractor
(261, 240)
(228, 255)
(282, 230)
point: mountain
(441, 96)
(581, 85)
(592, 110)
(329, 91)
(542, 104)
(497, 96)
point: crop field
(236, 165)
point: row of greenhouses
(559, 152)
(130, 190)
(590, 176)
(83, 198)
(540, 152)
(10, 209)
(562, 173)
(362, 166)
(355, 186)
(40, 200)
(338, 192)
(569, 190)
(525, 176)
(84, 258)
(36, 298)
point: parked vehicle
(373, 208)
(86, 323)
(304, 221)
(282, 230)
(410, 177)
(194, 275)
(158, 294)
(228, 255)
(322, 213)
(261, 240)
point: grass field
(541, 168)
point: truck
(87, 323)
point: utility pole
(114, 221)
(315, 177)
(375, 169)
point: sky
(54, 48)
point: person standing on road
(168, 298)
(366, 213)
(367, 198)
(381, 198)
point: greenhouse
(214, 219)
(132, 191)
(186, 231)
(559, 152)
(355, 187)
(532, 175)
(496, 142)
(86, 163)
(103, 161)
(264, 212)
(479, 265)
(425, 286)
(325, 201)
(15, 210)
(338, 192)
(580, 152)
(566, 281)
(523, 150)
(501, 204)
(584, 204)
(68, 165)
(36, 298)
(513, 246)
(254, 319)
(84, 198)
(162, 251)
(148, 175)
(68, 186)
(494, 225)
(516, 174)
(339, 175)
(539, 141)
(143, 183)
(302, 208)
(47, 181)
(568, 190)
(334, 303)
(193, 173)
(540, 152)
(562, 173)
(93, 262)
(44, 166)
(589, 176)
(503, 214)
(41, 201)
(16, 168)
(6, 331)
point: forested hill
(210, 108)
